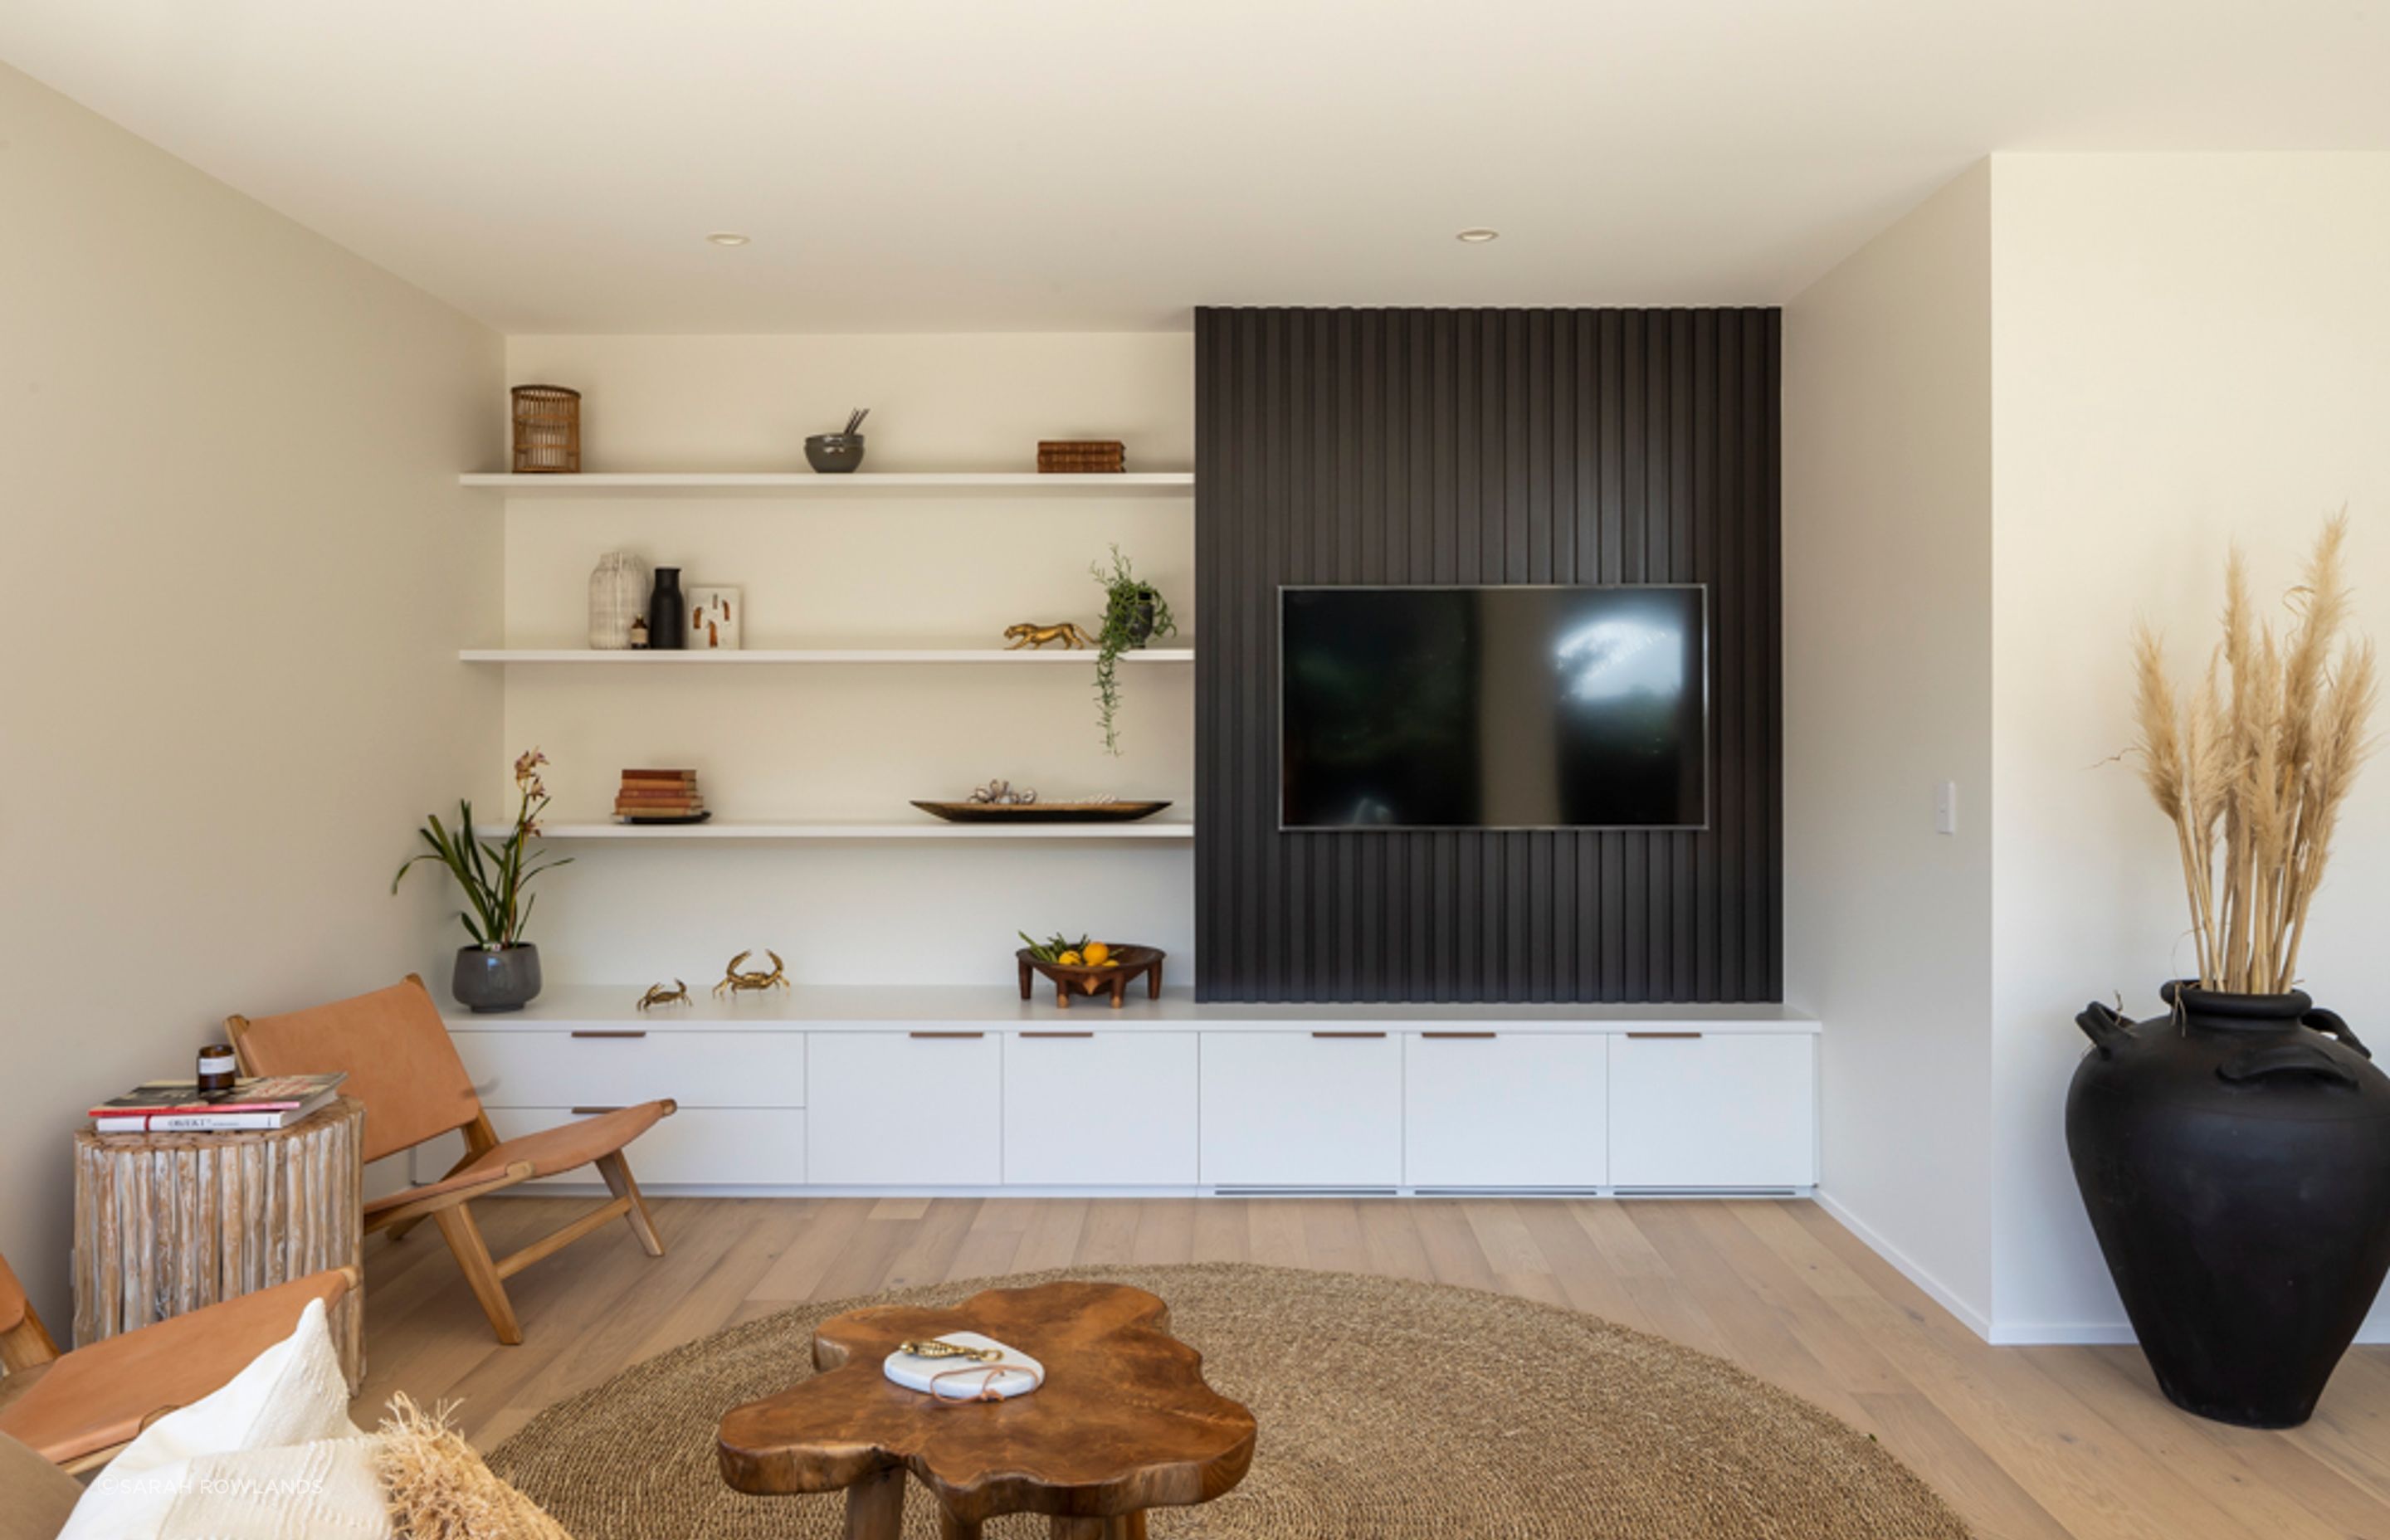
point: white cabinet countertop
(998, 1008)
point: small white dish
(1014, 1373)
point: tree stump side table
(166, 1222)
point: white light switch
(1946, 808)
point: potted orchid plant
(500, 970)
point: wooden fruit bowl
(1081, 978)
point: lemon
(1096, 953)
(1071, 959)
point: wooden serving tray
(1041, 813)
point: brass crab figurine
(658, 994)
(739, 983)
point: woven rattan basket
(547, 430)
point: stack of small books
(180, 1107)
(659, 796)
(1081, 456)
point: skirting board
(2011, 1333)
(1971, 1318)
(1622, 1195)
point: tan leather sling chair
(78, 1410)
(402, 1064)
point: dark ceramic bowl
(833, 454)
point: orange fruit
(1096, 953)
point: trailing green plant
(493, 873)
(1135, 612)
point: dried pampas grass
(437, 1488)
(2253, 775)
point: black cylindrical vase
(667, 616)
(2234, 1157)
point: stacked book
(180, 1107)
(1082, 456)
(659, 796)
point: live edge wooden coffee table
(1123, 1423)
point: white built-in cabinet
(969, 1090)
(1486, 1108)
(1114, 1107)
(1701, 1110)
(1321, 1109)
(905, 1109)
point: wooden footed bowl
(1083, 980)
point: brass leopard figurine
(1031, 635)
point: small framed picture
(717, 617)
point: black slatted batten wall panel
(1485, 446)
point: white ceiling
(928, 165)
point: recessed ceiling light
(728, 237)
(1478, 234)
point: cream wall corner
(1887, 684)
(238, 567)
(2188, 351)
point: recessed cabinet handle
(609, 1034)
(1458, 1036)
(588, 1111)
(1058, 1034)
(1348, 1035)
(945, 1034)
(1663, 1035)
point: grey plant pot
(493, 981)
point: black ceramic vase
(2235, 1158)
(668, 614)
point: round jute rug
(1389, 1410)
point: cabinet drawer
(614, 1066)
(1302, 1110)
(1099, 1109)
(696, 1147)
(1735, 1110)
(1518, 1109)
(895, 1109)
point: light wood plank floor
(2026, 1442)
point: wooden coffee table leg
(875, 1506)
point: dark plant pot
(491, 982)
(834, 453)
(2235, 1159)
(1136, 614)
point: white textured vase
(618, 594)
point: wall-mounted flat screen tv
(1513, 706)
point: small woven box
(547, 430)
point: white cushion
(273, 1455)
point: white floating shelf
(792, 483)
(667, 659)
(928, 829)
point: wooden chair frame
(447, 1203)
(27, 1350)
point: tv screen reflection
(1492, 708)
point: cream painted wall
(1887, 686)
(872, 569)
(237, 568)
(2188, 351)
